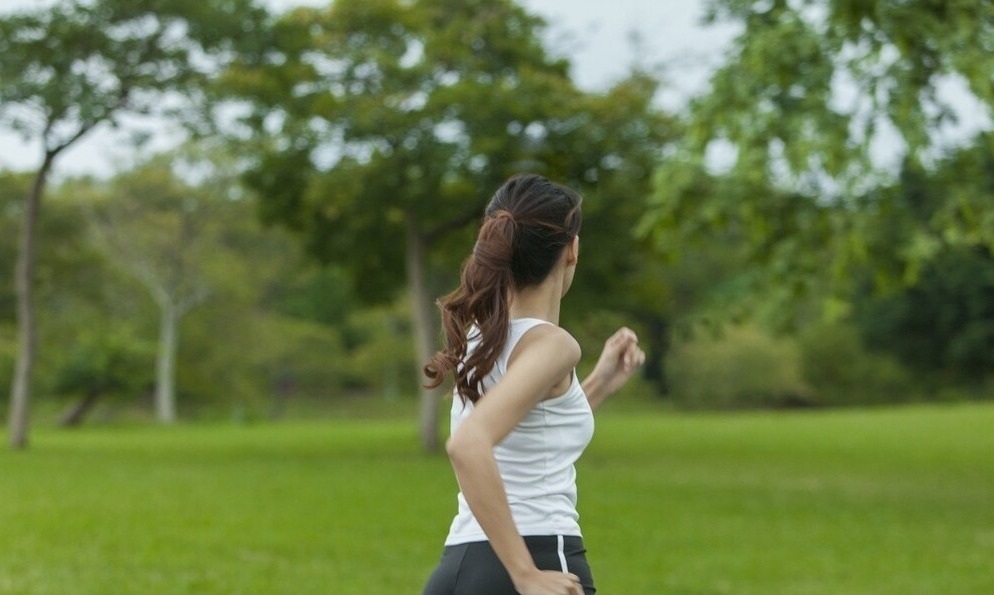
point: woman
(521, 418)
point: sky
(594, 34)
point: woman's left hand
(618, 361)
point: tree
(383, 127)
(99, 365)
(13, 187)
(74, 287)
(73, 66)
(942, 322)
(807, 89)
(231, 322)
(161, 231)
(610, 156)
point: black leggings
(474, 569)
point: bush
(742, 367)
(380, 358)
(251, 364)
(842, 371)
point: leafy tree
(98, 365)
(181, 227)
(161, 231)
(383, 127)
(610, 157)
(72, 285)
(944, 324)
(73, 66)
(938, 318)
(806, 90)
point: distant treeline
(339, 158)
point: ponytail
(528, 224)
(481, 300)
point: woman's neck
(540, 301)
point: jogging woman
(520, 417)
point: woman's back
(536, 460)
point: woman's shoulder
(548, 341)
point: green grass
(844, 502)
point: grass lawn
(841, 502)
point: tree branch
(457, 222)
(83, 129)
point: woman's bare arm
(619, 360)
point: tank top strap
(518, 328)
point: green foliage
(168, 234)
(776, 97)
(264, 338)
(237, 361)
(74, 288)
(397, 115)
(376, 122)
(822, 364)
(807, 88)
(740, 368)
(798, 103)
(841, 370)
(277, 334)
(944, 324)
(862, 502)
(379, 351)
(318, 294)
(115, 363)
(259, 336)
(923, 234)
(379, 130)
(69, 66)
(928, 216)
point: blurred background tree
(780, 153)
(780, 260)
(98, 366)
(167, 235)
(379, 130)
(73, 66)
(13, 189)
(805, 91)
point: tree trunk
(20, 389)
(423, 316)
(165, 364)
(74, 415)
(657, 346)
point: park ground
(863, 501)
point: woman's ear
(573, 251)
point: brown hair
(526, 226)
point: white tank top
(536, 460)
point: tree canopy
(72, 66)
(380, 129)
(785, 147)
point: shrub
(842, 371)
(380, 358)
(740, 367)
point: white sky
(594, 34)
